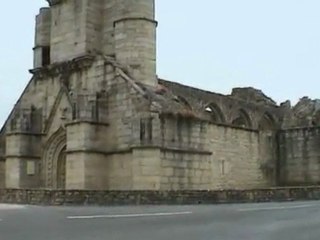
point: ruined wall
(201, 155)
(299, 156)
(247, 108)
(236, 159)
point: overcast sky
(273, 45)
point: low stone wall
(79, 197)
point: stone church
(95, 115)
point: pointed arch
(216, 114)
(184, 102)
(242, 120)
(53, 158)
(267, 122)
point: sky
(215, 45)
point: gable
(61, 112)
(26, 89)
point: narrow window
(142, 130)
(150, 129)
(74, 111)
(223, 170)
(45, 56)
(94, 111)
(146, 130)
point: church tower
(124, 29)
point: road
(285, 221)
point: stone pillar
(87, 165)
(42, 38)
(135, 38)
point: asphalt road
(278, 221)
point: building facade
(95, 115)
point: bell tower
(123, 29)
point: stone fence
(81, 197)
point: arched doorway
(54, 161)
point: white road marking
(276, 208)
(130, 215)
(11, 207)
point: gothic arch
(54, 160)
(184, 102)
(267, 122)
(242, 120)
(216, 113)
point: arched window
(267, 122)
(215, 112)
(242, 120)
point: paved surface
(285, 221)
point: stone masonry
(95, 115)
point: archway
(242, 120)
(54, 161)
(267, 122)
(215, 113)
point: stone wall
(68, 30)
(200, 155)
(109, 198)
(22, 160)
(236, 159)
(299, 156)
(255, 113)
(2, 173)
(185, 171)
(99, 171)
(185, 159)
(269, 153)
